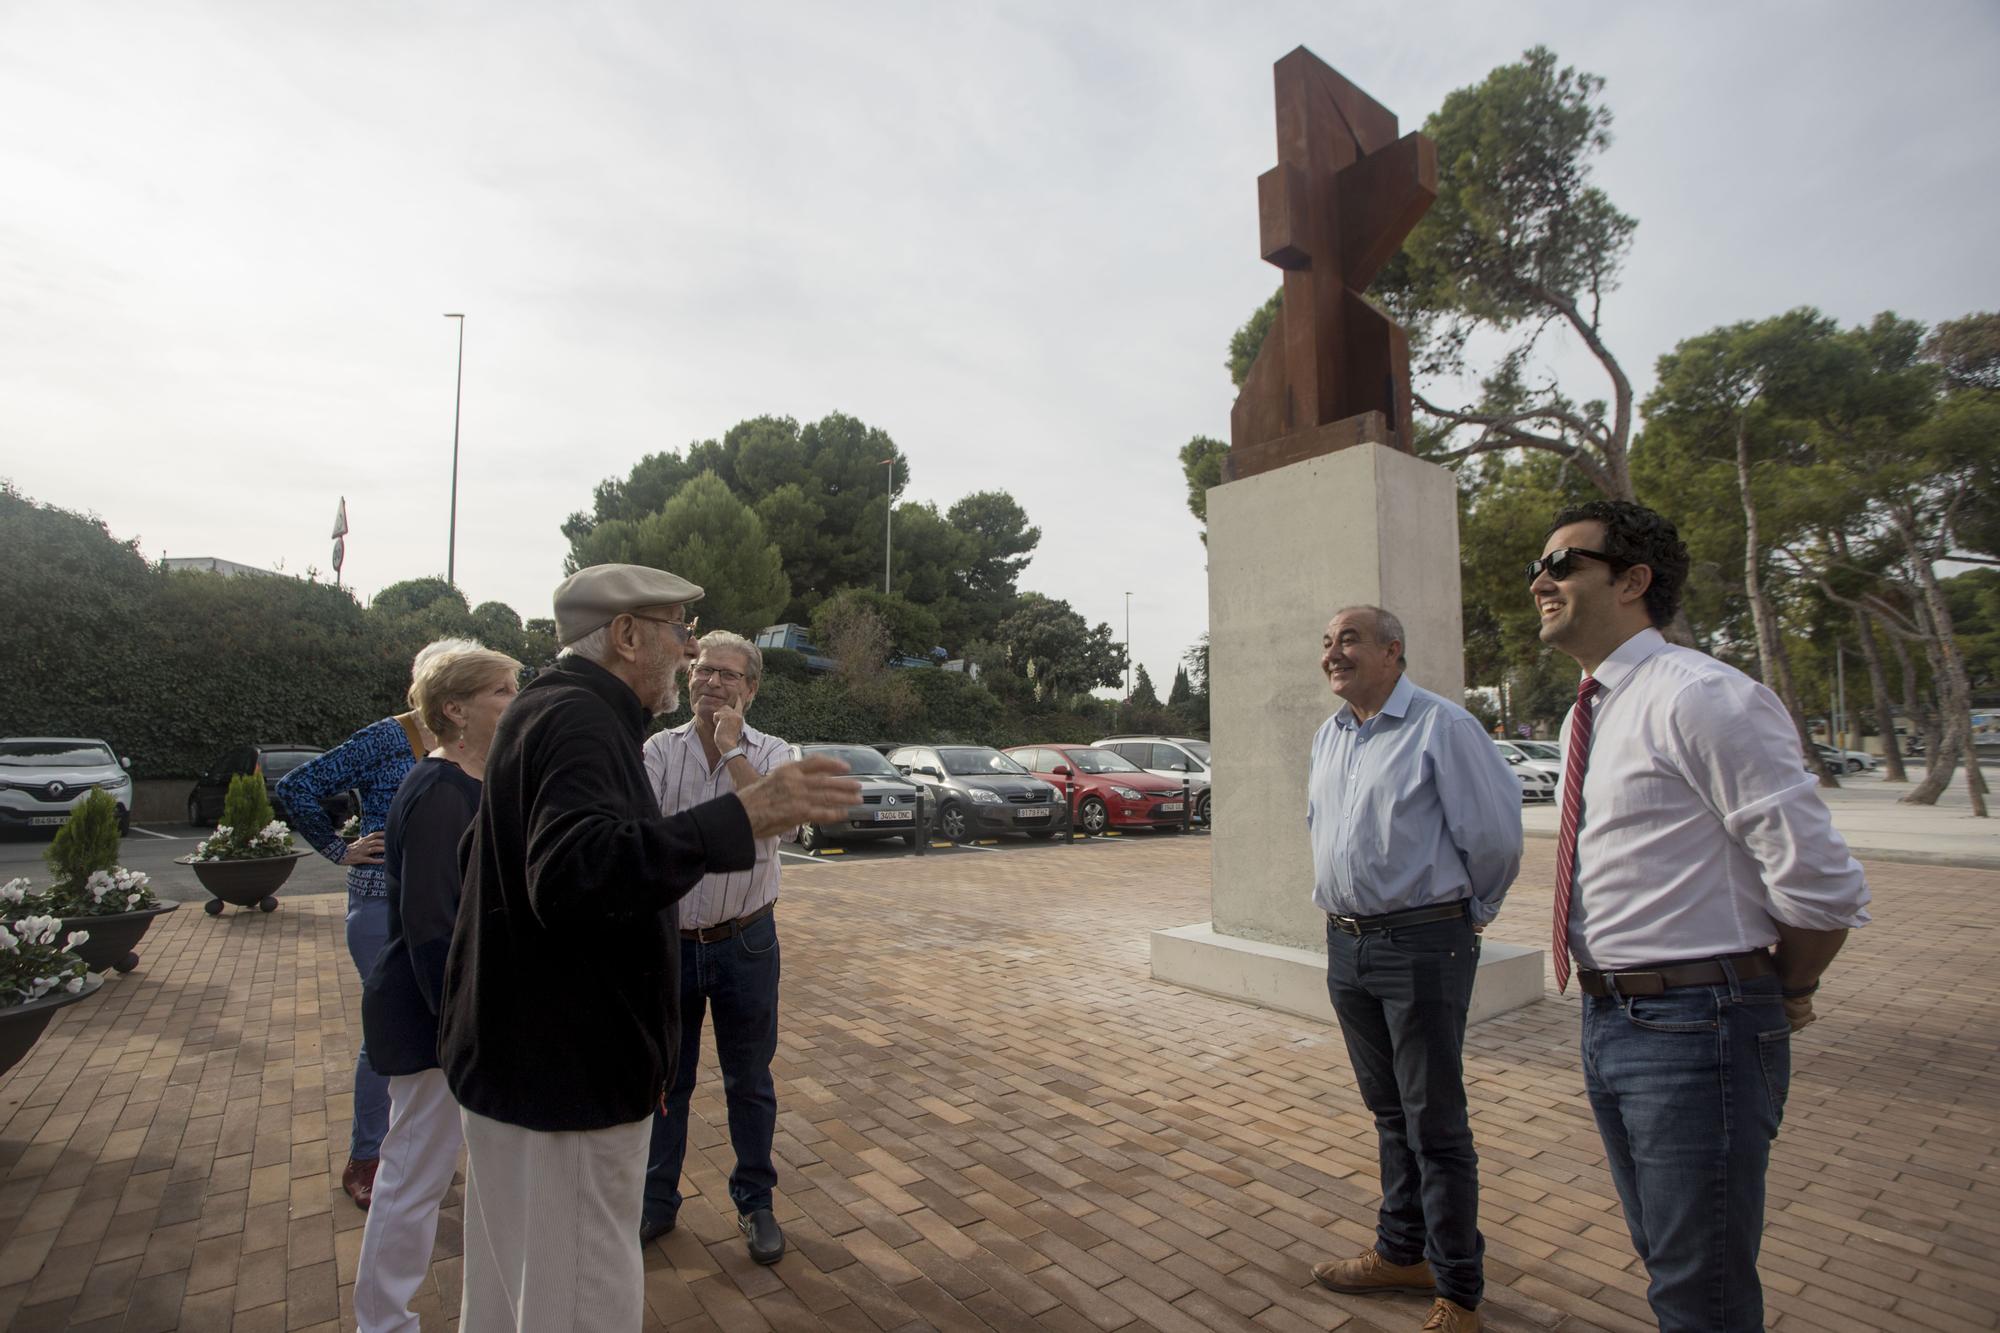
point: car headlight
(1126, 793)
(114, 784)
(981, 796)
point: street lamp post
(457, 398)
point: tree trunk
(1878, 690)
(1954, 686)
(1773, 663)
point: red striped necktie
(1575, 759)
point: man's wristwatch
(737, 753)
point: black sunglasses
(1561, 562)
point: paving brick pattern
(994, 1119)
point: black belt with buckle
(1416, 916)
(1657, 980)
(712, 934)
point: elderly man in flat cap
(559, 1023)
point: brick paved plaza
(993, 1117)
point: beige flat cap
(597, 594)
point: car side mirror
(1061, 770)
(125, 761)
(929, 772)
(1513, 758)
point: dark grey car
(978, 791)
(889, 802)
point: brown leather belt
(712, 934)
(1655, 980)
(1416, 916)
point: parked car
(1838, 762)
(890, 803)
(204, 802)
(976, 789)
(1518, 754)
(1111, 790)
(1542, 750)
(1536, 784)
(43, 777)
(1172, 758)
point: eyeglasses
(703, 671)
(683, 629)
(1561, 562)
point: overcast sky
(1016, 237)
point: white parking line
(149, 833)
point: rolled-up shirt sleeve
(1739, 749)
(1482, 812)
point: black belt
(1655, 980)
(1416, 916)
(711, 934)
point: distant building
(208, 564)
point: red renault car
(1111, 791)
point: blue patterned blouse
(372, 762)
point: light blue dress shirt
(1412, 808)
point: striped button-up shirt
(678, 768)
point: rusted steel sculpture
(1334, 371)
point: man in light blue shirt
(1416, 835)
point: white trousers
(552, 1228)
(419, 1154)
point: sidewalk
(993, 1118)
(1870, 814)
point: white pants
(552, 1228)
(419, 1154)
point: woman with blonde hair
(460, 695)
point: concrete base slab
(1293, 981)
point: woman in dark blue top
(461, 695)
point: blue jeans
(1688, 1088)
(736, 980)
(1401, 996)
(367, 933)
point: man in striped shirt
(729, 948)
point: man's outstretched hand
(811, 791)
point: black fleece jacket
(561, 991)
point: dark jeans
(1688, 1088)
(367, 934)
(1401, 996)
(736, 980)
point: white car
(42, 778)
(1535, 784)
(1520, 755)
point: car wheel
(1201, 811)
(1092, 817)
(953, 823)
(124, 825)
(810, 838)
(1855, 765)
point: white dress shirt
(678, 768)
(1701, 827)
(1412, 808)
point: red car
(1111, 791)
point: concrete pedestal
(1286, 549)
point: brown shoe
(359, 1180)
(1451, 1317)
(1369, 1271)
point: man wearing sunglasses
(1416, 835)
(559, 1024)
(1700, 891)
(729, 948)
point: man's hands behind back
(811, 791)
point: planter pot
(113, 938)
(22, 1025)
(252, 883)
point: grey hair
(1387, 628)
(592, 647)
(753, 656)
(437, 648)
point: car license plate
(45, 821)
(894, 816)
(1168, 807)
(1032, 812)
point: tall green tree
(1047, 644)
(1201, 465)
(709, 536)
(1143, 693)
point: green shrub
(247, 807)
(87, 842)
(786, 664)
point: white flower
(8, 944)
(73, 985)
(76, 937)
(14, 890)
(39, 986)
(99, 884)
(131, 900)
(38, 929)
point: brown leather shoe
(1451, 1317)
(359, 1180)
(1369, 1271)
